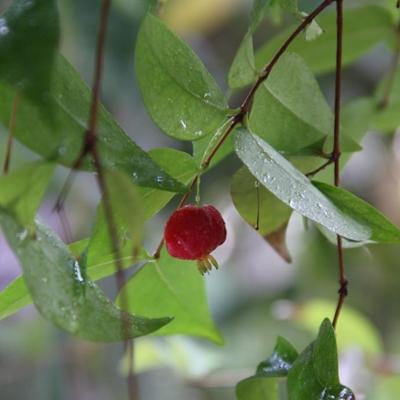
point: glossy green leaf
(98, 266)
(29, 36)
(248, 196)
(364, 28)
(176, 288)
(314, 375)
(177, 164)
(243, 69)
(60, 292)
(21, 191)
(179, 93)
(353, 330)
(256, 388)
(289, 110)
(382, 230)
(290, 186)
(59, 136)
(281, 360)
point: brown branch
(336, 151)
(245, 108)
(11, 131)
(90, 147)
(392, 73)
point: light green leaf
(177, 164)
(59, 135)
(314, 375)
(256, 388)
(289, 110)
(29, 38)
(364, 27)
(22, 190)
(179, 93)
(290, 186)
(382, 230)
(353, 330)
(176, 288)
(243, 69)
(313, 31)
(60, 292)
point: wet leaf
(62, 295)
(290, 186)
(179, 93)
(59, 135)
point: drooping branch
(245, 107)
(336, 151)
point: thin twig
(90, 147)
(245, 108)
(319, 169)
(11, 132)
(336, 151)
(392, 73)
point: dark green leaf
(60, 136)
(289, 110)
(258, 12)
(290, 186)
(60, 292)
(364, 27)
(382, 230)
(281, 360)
(256, 388)
(179, 93)
(22, 190)
(176, 288)
(29, 36)
(314, 375)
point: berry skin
(192, 233)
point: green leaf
(258, 12)
(281, 360)
(172, 287)
(99, 265)
(353, 330)
(364, 27)
(177, 164)
(256, 388)
(243, 69)
(59, 136)
(29, 37)
(314, 375)
(382, 230)
(127, 213)
(290, 186)
(289, 110)
(179, 93)
(61, 294)
(22, 190)
(248, 196)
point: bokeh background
(255, 296)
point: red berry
(192, 233)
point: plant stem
(392, 73)
(245, 108)
(336, 152)
(11, 131)
(90, 147)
